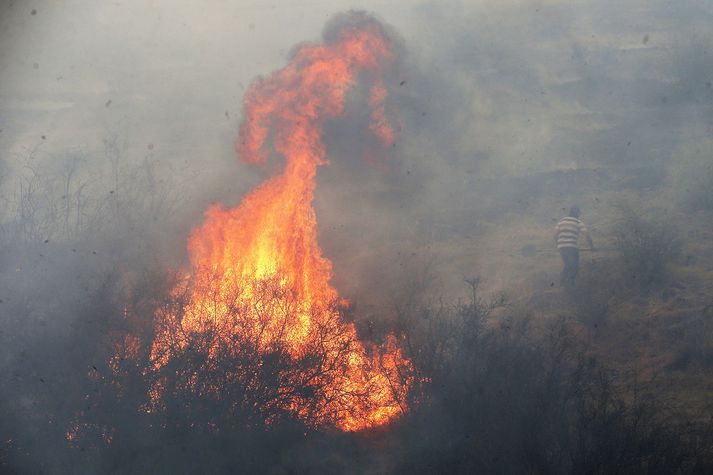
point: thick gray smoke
(117, 130)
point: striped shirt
(568, 231)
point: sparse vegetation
(495, 394)
(59, 199)
(692, 174)
(136, 340)
(648, 247)
(697, 341)
(493, 391)
(599, 287)
(505, 398)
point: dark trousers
(570, 257)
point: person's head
(574, 212)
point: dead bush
(648, 246)
(507, 398)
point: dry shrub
(510, 398)
(241, 356)
(648, 247)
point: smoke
(499, 103)
(118, 123)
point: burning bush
(258, 305)
(497, 395)
(253, 336)
(241, 354)
(228, 380)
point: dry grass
(636, 332)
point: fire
(258, 278)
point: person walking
(567, 233)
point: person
(567, 233)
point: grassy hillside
(658, 335)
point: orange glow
(262, 257)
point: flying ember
(258, 281)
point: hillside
(659, 337)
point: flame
(262, 257)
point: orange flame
(271, 236)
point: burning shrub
(647, 246)
(254, 336)
(224, 377)
(258, 310)
(255, 357)
(493, 397)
